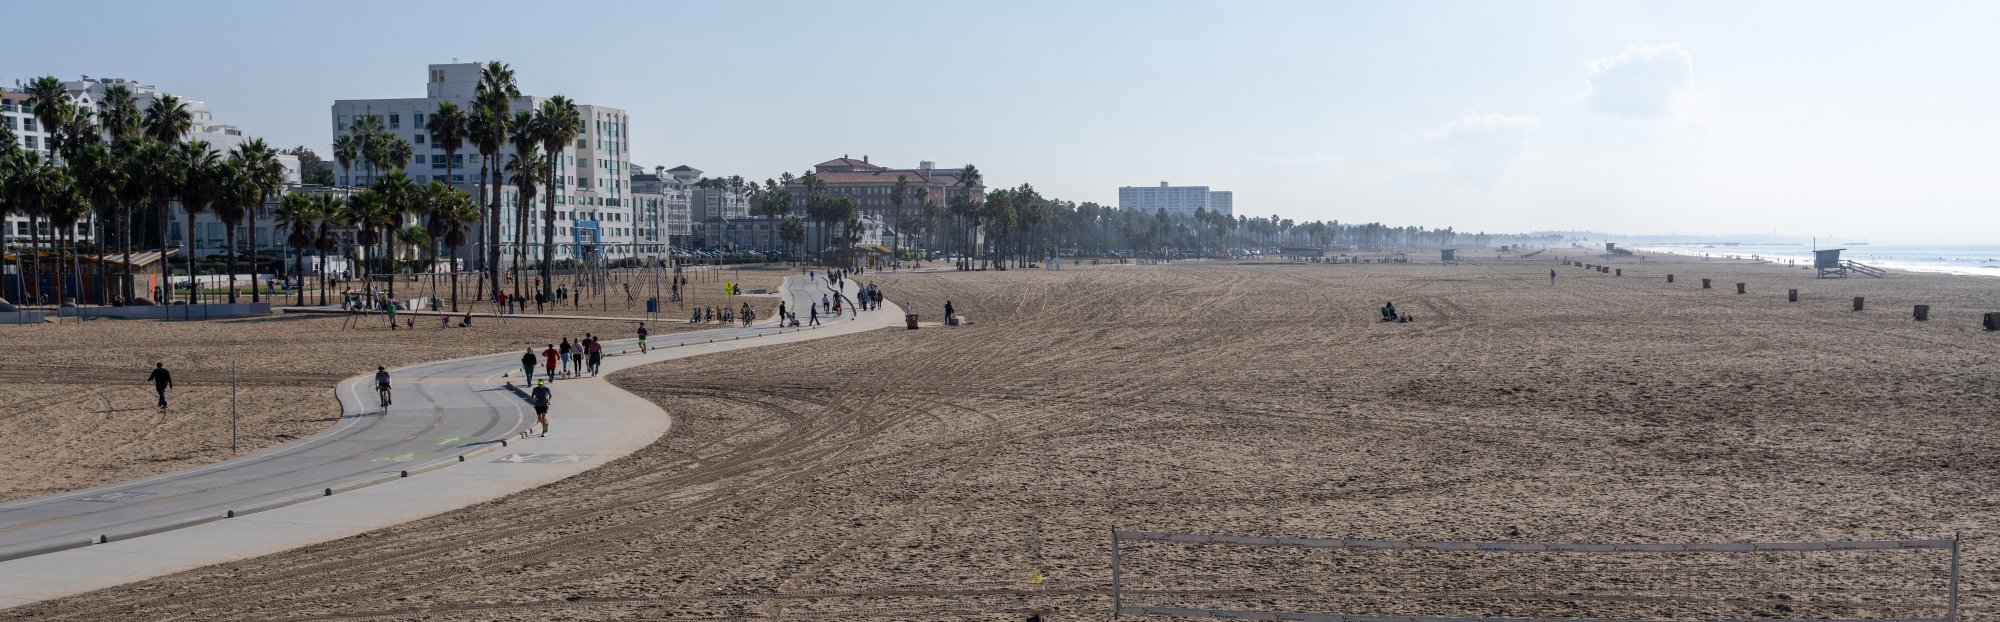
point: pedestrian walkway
(450, 440)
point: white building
(1176, 200)
(595, 203)
(664, 199)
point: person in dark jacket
(162, 380)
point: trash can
(910, 320)
(652, 305)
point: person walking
(642, 338)
(540, 299)
(815, 316)
(549, 360)
(1552, 277)
(947, 312)
(528, 365)
(576, 361)
(596, 351)
(563, 350)
(781, 311)
(162, 380)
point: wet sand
(932, 474)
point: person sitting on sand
(1389, 312)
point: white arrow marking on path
(518, 457)
(568, 458)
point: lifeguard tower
(1829, 265)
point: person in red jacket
(549, 360)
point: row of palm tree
(120, 160)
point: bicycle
(382, 392)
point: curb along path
(448, 442)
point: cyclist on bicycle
(382, 384)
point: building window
(417, 121)
(395, 121)
(420, 140)
(420, 158)
(581, 143)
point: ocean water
(1972, 260)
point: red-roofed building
(872, 185)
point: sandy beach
(937, 474)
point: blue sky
(1853, 120)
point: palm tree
(328, 211)
(527, 170)
(431, 198)
(29, 190)
(456, 212)
(527, 166)
(48, 96)
(368, 142)
(447, 126)
(67, 206)
(792, 230)
(493, 99)
(118, 113)
(166, 120)
(297, 213)
(558, 123)
(399, 197)
(265, 173)
(896, 201)
(347, 150)
(10, 147)
(367, 211)
(488, 133)
(99, 176)
(200, 183)
(235, 193)
(968, 179)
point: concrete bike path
(450, 440)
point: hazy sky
(1876, 121)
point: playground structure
(1649, 583)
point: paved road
(444, 412)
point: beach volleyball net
(1192, 575)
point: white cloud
(1477, 147)
(1647, 82)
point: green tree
(266, 175)
(399, 197)
(347, 151)
(298, 213)
(527, 170)
(493, 101)
(234, 193)
(456, 212)
(330, 211)
(557, 124)
(199, 166)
